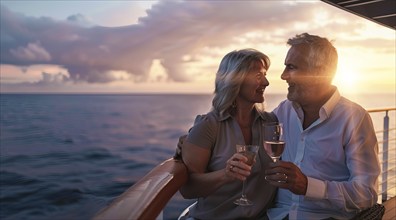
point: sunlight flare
(346, 78)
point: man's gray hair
(323, 57)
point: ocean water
(67, 156)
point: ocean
(67, 156)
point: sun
(346, 79)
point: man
(330, 162)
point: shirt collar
(326, 110)
(226, 114)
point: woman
(215, 169)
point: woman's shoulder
(209, 119)
(204, 131)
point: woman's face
(254, 84)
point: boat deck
(147, 198)
(390, 209)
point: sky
(175, 46)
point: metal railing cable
(387, 146)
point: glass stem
(243, 190)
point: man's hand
(286, 175)
(178, 153)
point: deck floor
(390, 209)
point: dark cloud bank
(170, 31)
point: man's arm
(360, 191)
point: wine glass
(274, 143)
(249, 151)
(273, 140)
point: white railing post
(385, 142)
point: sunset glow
(176, 46)
(347, 79)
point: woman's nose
(265, 81)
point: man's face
(304, 84)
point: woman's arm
(202, 183)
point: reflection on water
(67, 156)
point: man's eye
(290, 67)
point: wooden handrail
(381, 110)
(147, 198)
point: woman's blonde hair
(232, 71)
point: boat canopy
(382, 12)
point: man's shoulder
(284, 105)
(347, 105)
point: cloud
(33, 52)
(171, 31)
(49, 78)
(80, 20)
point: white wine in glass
(249, 151)
(273, 140)
(274, 143)
(274, 149)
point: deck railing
(146, 198)
(387, 153)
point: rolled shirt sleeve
(316, 188)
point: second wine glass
(273, 140)
(274, 143)
(249, 151)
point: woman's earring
(234, 104)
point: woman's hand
(287, 175)
(236, 167)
